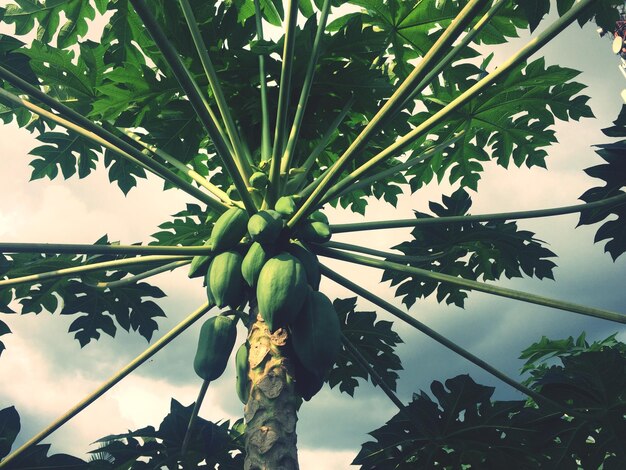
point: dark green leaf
(375, 340)
(66, 152)
(613, 173)
(9, 429)
(469, 250)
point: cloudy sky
(44, 371)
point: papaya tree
(266, 131)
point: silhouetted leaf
(471, 250)
(375, 340)
(613, 173)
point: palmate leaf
(592, 381)
(411, 28)
(70, 75)
(375, 340)
(133, 89)
(67, 152)
(122, 172)
(211, 444)
(605, 12)
(509, 122)
(189, 227)
(126, 304)
(470, 250)
(613, 173)
(175, 129)
(12, 59)
(4, 329)
(36, 456)
(68, 18)
(125, 35)
(463, 427)
(99, 310)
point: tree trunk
(271, 409)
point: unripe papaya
(241, 369)
(233, 193)
(310, 263)
(315, 231)
(265, 226)
(319, 216)
(281, 290)
(216, 342)
(316, 334)
(225, 284)
(258, 180)
(229, 229)
(200, 264)
(286, 206)
(307, 383)
(253, 262)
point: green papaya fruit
(319, 216)
(258, 180)
(225, 284)
(241, 369)
(265, 226)
(316, 334)
(286, 206)
(254, 260)
(215, 343)
(314, 231)
(309, 261)
(307, 383)
(233, 193)
(281, 290)
(229, 229)
(200, 264)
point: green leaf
(122, 171)
(375, 340)
(9, 429)
(593, 381)
(463, 429)
(218, 444)
(509, 121)
(68, 18)
(469, 250)
(37, 455)
(69, 153)
(126, 304)
(131, 306)
(613, 173)
(188, 228)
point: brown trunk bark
(272, 405)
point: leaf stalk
(524, 53)
(398, 98)
(376, 378)
(537, 213)
(284, 96)
(84, 249)
(93, 132)
(290, 149)
(472, 285)
(451, 345)
(113, 380)
(235, 168)
(144, 275)
(78, 270)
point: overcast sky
(44, 371)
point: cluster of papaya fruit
(260, 257)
